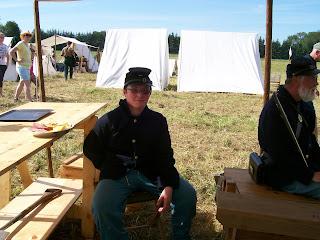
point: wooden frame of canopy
(38, 44)
(268, 51)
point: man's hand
(316, 177)
(165, 199)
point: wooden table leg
(230, 233)
(230, 186)
(5, 186)
(87, 222)
(49, 161)
(25, 174)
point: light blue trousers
(311, 190)
(110, 198)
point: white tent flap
(11, 73)
(219, 62)
(127, 48)
(172, 64)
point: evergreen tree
(262, 47)
(10, 29)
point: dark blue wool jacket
(120, 142)
(274, 138)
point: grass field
(209, 131)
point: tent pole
(98, 56)
(80, 65)
(82, 58)
(55, 52)
(268, 52)
(89, 57)
(39, 50)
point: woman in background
(23, 65)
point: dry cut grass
(209, 131)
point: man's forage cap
(138, 76)
(301, 66)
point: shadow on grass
(53, 99)
(202, 226)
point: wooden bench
(42, 220)
(250, 211)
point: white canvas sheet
(81, 49)
(48, 69)
(219, 62)
(47, 65)
(172, 63)
(127, 48)
(11, 73)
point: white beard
(306, 94)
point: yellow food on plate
(56, 127)
(61, 127)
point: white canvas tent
(81, 49)
(127, 48)
(219, 62)
(11, 73)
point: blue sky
(289, 17)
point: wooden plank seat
(251, 211)
(39, 223)
(72, 167)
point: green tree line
(94, 38)
(300, 43)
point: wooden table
(17, 144)
(251, 211)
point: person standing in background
(4, 61)
(314, 56)
(68, 54)
(23, 64)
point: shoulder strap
(286, 121)
(300, 116)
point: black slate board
(24, 115)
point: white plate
(51, 134)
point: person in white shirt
(4, 60)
